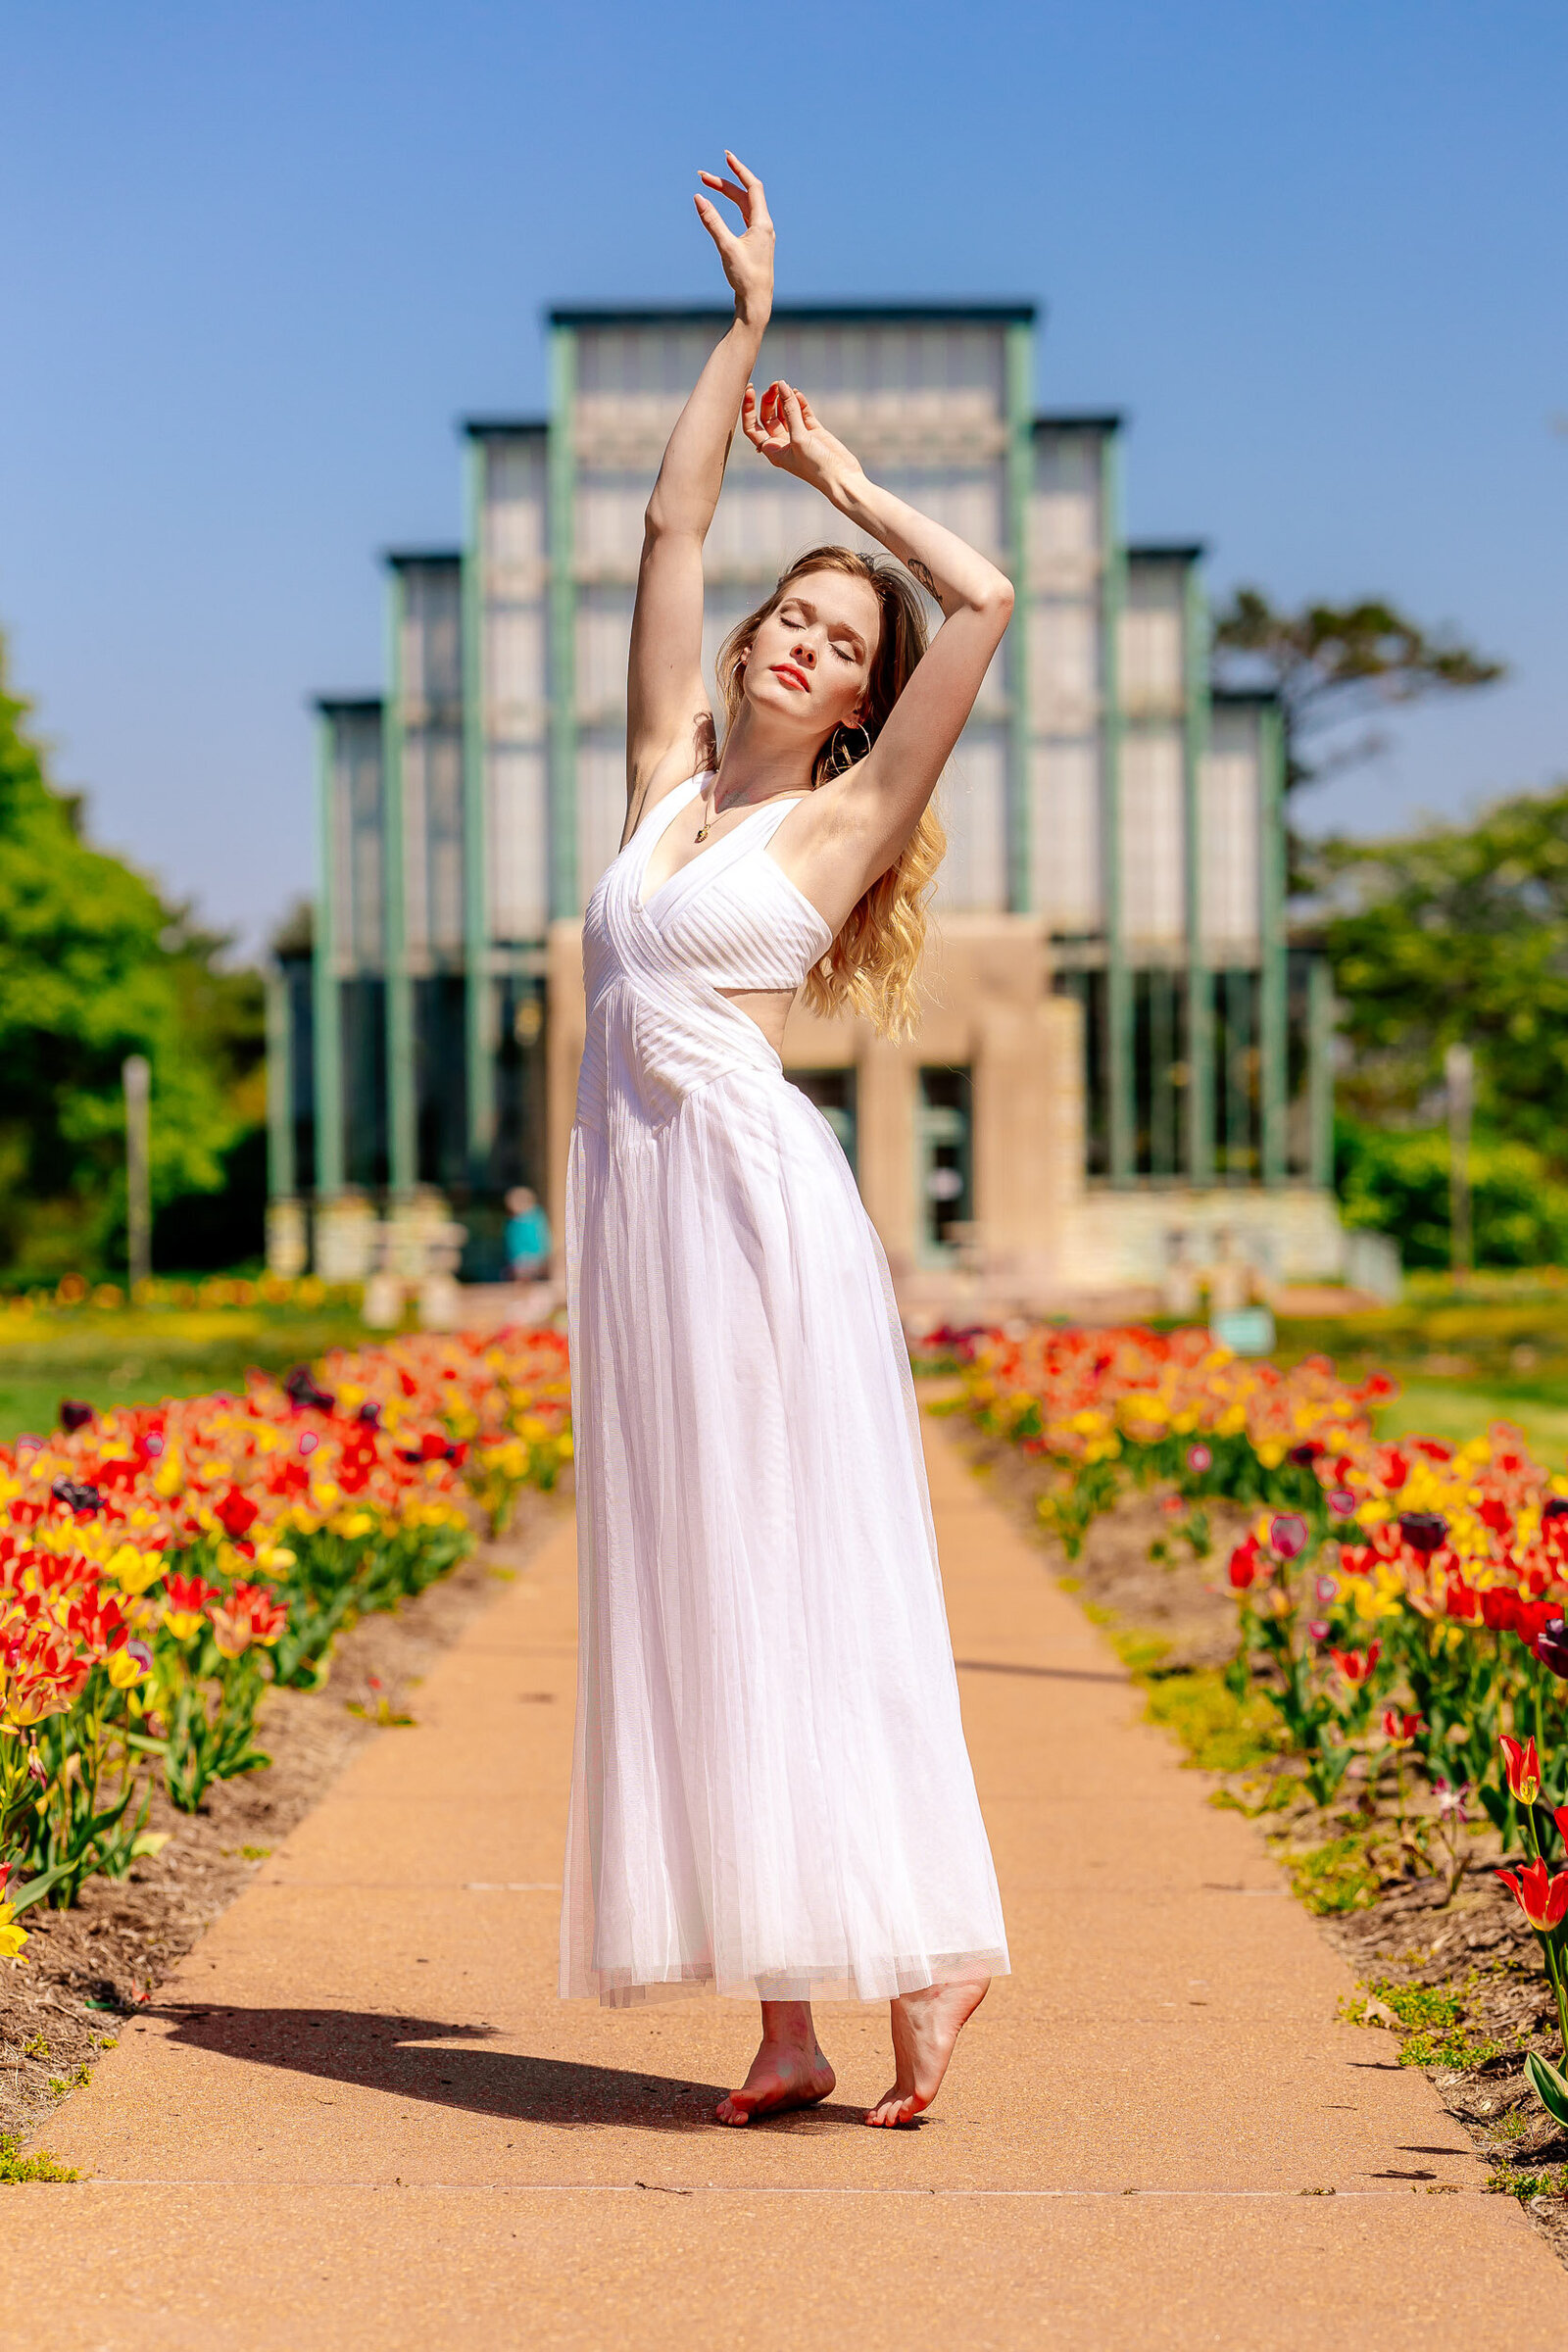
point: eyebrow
(841, 628)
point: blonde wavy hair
(871, 967)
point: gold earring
(841, 757)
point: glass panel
(944, 1158)
(1159, 1074)
(364, 1012)
(1237, 1121)
(440, 1080)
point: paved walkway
(359, 2117)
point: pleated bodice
(654, 968)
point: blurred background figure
(528, 1245)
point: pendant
(704, 830)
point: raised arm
(880, 800)
(668, 720)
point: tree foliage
(1332, 665)
(1456, 934)
(1398, 1183)
(93, 967)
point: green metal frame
(402, 1110)
(1120, 1108)
(326, 1023)
(1199, 1056)
(1273, 1010)
(1320, 1072)
(479, 1042)
(281, 1174)
(560, 464)
(1019, 363)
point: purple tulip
(1551, 1648)
(1424, 1531)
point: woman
(771, 1794)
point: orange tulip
(1542, 1898)
(1524, 1770)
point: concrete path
(360, 2116)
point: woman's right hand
(748, 259)
(785, 429)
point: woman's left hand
(787, 431)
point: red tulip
(1524, 1770)
(1357, 1665)
(1542, 1898)
(1244, 1564)
(239, 1513)
(1400, 1728)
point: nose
(803, 654)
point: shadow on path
(1046, 1674)
(376, 2050)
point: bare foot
(783, 2075)
(925, 2027)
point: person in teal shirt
(527, 1236)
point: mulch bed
(89, 1967)
(1401, 1933)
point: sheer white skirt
(770, 1793)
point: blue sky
(260, 257)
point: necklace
(706, 825)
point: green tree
(1331, 665)
(93, 967)
(1455, 934)
(1397, 1182)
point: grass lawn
(1494, 1350)
(137, 1356)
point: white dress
(770, 1790)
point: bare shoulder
(832, 846)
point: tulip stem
(1559, 1987)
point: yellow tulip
(132, 1570)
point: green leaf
(1550, 2086)
(22, 1899)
